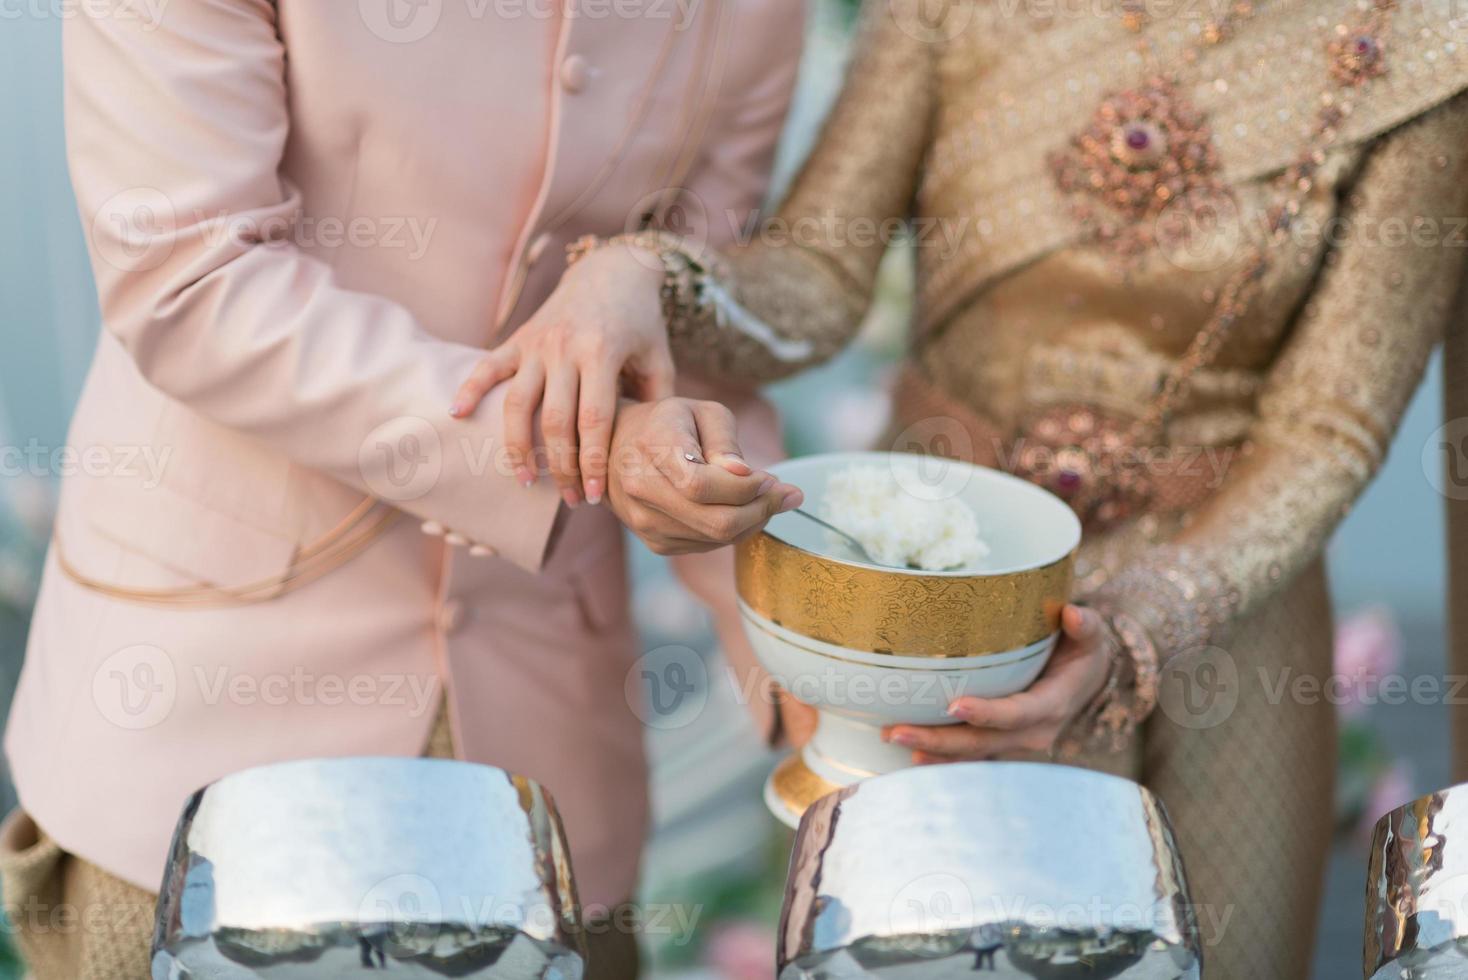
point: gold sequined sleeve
(1333, 398)
(795, 292)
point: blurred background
(716, 852)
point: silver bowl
(1417, 891)
(1003, 869)
(325, 868)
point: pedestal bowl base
(793, 787)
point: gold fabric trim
(878, 612)
(325, 554)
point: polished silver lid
(325, 868)
(999, 869)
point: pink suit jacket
(306, 219)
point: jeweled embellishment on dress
(1139, 145)
(1358, 52)
(1356, 58)
(1146, 149)
(1087, 460)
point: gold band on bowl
(900, 613)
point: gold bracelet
(1125, 700)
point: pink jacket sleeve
(175, 133)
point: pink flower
(742, 951)
(1392, 789)
(1368, 647)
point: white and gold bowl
(870, 645)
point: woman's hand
(1032, 720)
(679, 481)
(599, 333)
(798, 720)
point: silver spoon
(850, 538)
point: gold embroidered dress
(1185, 267)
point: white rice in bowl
(899, 528)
